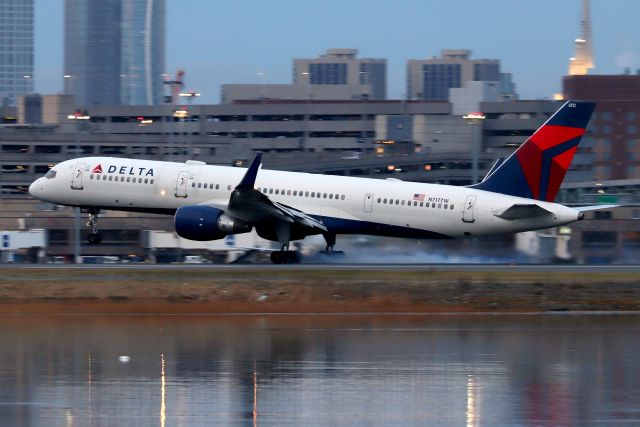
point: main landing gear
(94, 237)
(285, 256)
(330, 238)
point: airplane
(211, 202)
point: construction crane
(175, 87)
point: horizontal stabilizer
(595, 207)
(522, 211)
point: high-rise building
(143, 32)
(114, 51)
(431, 79)
(366, 76)
(16, 50)
(582, 62)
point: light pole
(79, 118)
(68, 81)
(475, 119)
(263, 87)
(307, 115)
(189, 95)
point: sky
(218, 42)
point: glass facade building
(16, 50)
(143, 29)
(114, 51)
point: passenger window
(433, 205)
(421, 204)
(271, 191)
(199, 185)
(415, 203)
(277, 191)
(228, 187)
(91, 176)
(439, 205)
(104, 177)
(295, 192)
(217, 186)
(146, 180)
(193, 185)
(379, 199)
(446, 206)
(397, 202)
(128, 179)
(210, 186)
(288, 192)
(110, 178)
(313, 194)
(403, 203)
(342, 197)
(318, 195)
(451, 207)
(306, 194)
(331, 197)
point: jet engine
(206, 223)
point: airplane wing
(523, 211)
(252, 206)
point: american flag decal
(418, 197)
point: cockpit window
(51, 174)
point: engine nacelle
(204, 223)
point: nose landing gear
(94, 237)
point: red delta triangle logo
(97, 169)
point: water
(481, 370)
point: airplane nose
(33, 188)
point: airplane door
(368, 202)
(76, 181)
(469, 208)
(182, 184)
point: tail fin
(537, 168)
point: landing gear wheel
(94, 238)
(286, 257)
(332, 253)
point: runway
(480, 268)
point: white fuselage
(344, 204)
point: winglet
(249, 178)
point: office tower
(431, 79)
(366, 76)
(114, 51)
(582, 62)
(143, 32)
(16, 50)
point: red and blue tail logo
(537, 168)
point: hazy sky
(231, 41)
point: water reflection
(319, 371)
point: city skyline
(229, 43)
